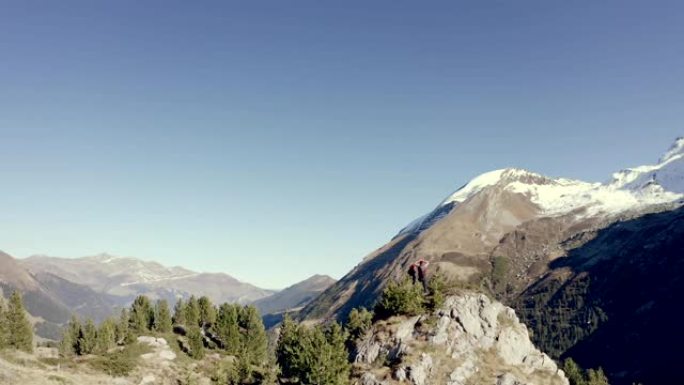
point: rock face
(469, 340)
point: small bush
(359, 322)
(121, 362)
(195, 343)
(402, 298)
(437, 288)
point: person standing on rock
(418, 271)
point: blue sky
(273, 140)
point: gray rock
(367, 351)
(148, 379)
(419, 372)
(508, 379)
(152, 341)
(514, 345)
(441, 335)
(405, 329)
(369, 379)
(462, 373)
(400, 374)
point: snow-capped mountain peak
(677, 149)
(630, 189)
(502, 176)
(666, 176)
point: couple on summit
(418, 271)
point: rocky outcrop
(161, 351)
(469, 340)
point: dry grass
(58, 379)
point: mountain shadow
(616, 301)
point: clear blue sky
(277, 139)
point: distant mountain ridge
(294, 296)
(50, 299)
(97, 286)
(128, 277)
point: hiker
(418, 271)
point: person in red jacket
(418, 271)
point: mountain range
(97, 286)
(128, 277)
(594, 269)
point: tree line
(303, 354)
(196, 324)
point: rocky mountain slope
(295, 296)
(469, 340)
(512, 232)
(128, 277)
(614, 299)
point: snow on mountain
(629, 189)
(564, 196)
(676, 149)
(476, 185)
(137, 271)
(470, 189)
(667, 175)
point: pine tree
(123, 332)
(254, 339)
(207, 312)
(336, 355)
(4, 335)
(596, 377)
(312, 356)
(69, 344)
(400, 299)
(179, 312)
(87, 338)
(195, 342)
(289, 349)
(227, 328)
(20, 330)
(162, 317)
(191, 314)
(141, 315)
(244, 367)
(326, 357)
(359, 322)
(106, 336)
(573, 372)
